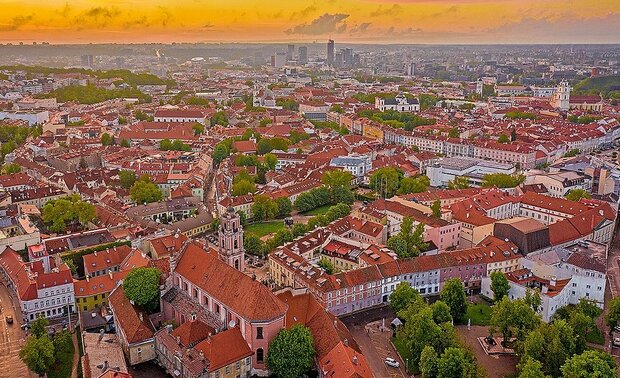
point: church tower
(561, 96)
(230, 240)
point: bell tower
(230, 240)
(561, 96)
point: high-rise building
(410, 69)
(347, 56)
(278, 60)
(330, 53)
(303, 54)
(87, 60)
(230, 240)
(290, 52)
(338, 59)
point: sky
(353, 21)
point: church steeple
(230, 240)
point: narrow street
(12, 338)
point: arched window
(259, 355)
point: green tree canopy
(326, 265)
(386, 181)
(513, 318)
(60, 213)
(502, 180)
(243, 187)
(459, 182)
(107, 139)
(127, 178)
(577, 194)
(145, 191)
(455, 362)
(38, 354)
(590, 364)
(141, 285)
(499, 285)
(453, 294)
(416, 184)
(291, 352)
(402, 296)
(264, 207)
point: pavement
(12, 338)
(374, 342)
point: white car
(392, 362)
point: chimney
(553, 281)
(354, 360)
(100, 335)
(110, 273)
(141, 316)
(169, 328)
(202, 355)
(105, 365)
(345, 342)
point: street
(11, 339)
(375, 344)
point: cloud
(16, 23)
(102, 12)
(303, 13)
(361, 28)
(390, 11)
(326, 23)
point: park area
(264, 228)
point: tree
(165, 145)
(436, 208)
(145, 191)
(326, 265)
(502, 180)
(284, 206)
(454, 362)
(337, 178)
(270, 161)
(499, 285)
(220, 152)
(453, 294)
(454, 133)
(107, 139)
(291, 352)
(252, 244)
(513, 318)
(125, 143)
(577, 194)
(60, 213)
(219, 118)
(545, 344)
(198, 128)
(8, 169)
(402, 296)
(459, 182)
(141, 285)
(38, 354)
(612, 319)
(343, 195)
(530, 368)
(532, 298)
(38, 328)
(243, 187)
(504, 139)
(386, 181)
(428, 362)
(417, 184)
(441, 312)
(398, 245)
(264, 207)
(127, 178)
(590, 364)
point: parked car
(9, 319)
(392, 362)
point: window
(259, 355)
(259, 332)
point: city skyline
(347, 21)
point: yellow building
(91, 293)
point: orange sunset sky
(364, 21)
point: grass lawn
(596, 337)
(318, 211)
(63, 366)
(479, 313)
(403, 351)
(264, 228)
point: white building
(561, 96)
(32, 117)
(400, 103)
(357, 165)
(558, 184)
(445, 170)
(41, 291)
(562, 276)
(180, 115)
